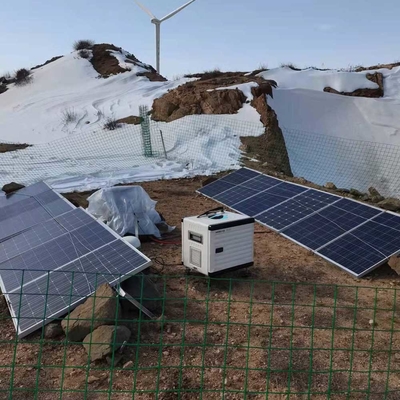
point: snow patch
(312, 79)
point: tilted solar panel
(44, 241)
(58, 291)
(353, 235)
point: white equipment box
(217, 241)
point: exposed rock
(12, 187)
(99, 309)
(183, 101)
(373, 192)
(53, 330)
(377, 199)
(271, 146)
(330, 185)
(356, 193)
(394, 263)
(390, 204)
(377, 78)
(7, 147)
(105, 340)
(132, 120)
(106, 64)
(378, 66)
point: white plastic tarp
(119, 207)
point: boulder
(390, 204)
(12, 187)
(330, 185)
(373, 192)
(394, 263)
(377, 199)
(99, 309)
(104, 340)
(53, 330)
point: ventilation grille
(195, 257)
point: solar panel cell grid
(261, 183)
(61, 288)
(235, 195)
(295, 209)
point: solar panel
(350, 234)
(69, 286)
(53, 254)
(41, 232)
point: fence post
(146, 135)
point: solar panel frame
(15, 315)
(379, 217)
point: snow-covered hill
(34, 113)
(81, 154)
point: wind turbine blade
(146, 10)
(176, 11)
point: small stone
(53, 330)
(390, 204)
(128, 365)
(166, 353)
(372, 322)
(365, 197)
(397, 356)
(373, 192)
(92, 379)
(330, 185)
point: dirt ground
(270, 329)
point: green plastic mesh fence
(210, 339)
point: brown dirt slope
(106, 64)
(195, 98)
(377, 78)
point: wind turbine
(157, 22)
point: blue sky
(228, 34)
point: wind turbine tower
(157, 22)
